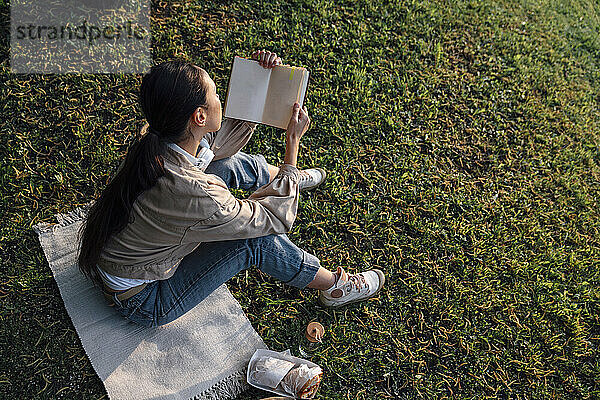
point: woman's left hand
(266, 58)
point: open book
(264, 95)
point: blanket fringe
(227, 388)
(64, 219)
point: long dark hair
(170, 92)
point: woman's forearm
(291, 151)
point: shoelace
(304, 176)
(358, 282)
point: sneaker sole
(381, 283)
(318, 184)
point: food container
(314, 332)
(284, 355)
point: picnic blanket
(201, 355)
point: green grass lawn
(462, 145)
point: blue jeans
(213, 263)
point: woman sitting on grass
(166, 231)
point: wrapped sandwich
(302, 381)
(269, 371)
(284, 374)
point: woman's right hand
(299, 122)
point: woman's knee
(241, 170)
(223, 168)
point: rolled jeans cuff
(308, 271)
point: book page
(286, 86)
(247, 90)
(303, 89)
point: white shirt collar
(178, 149)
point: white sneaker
(311, 178)
(352, 288)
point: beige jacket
(187, 207)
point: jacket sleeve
(230, 138)
(270, 209)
